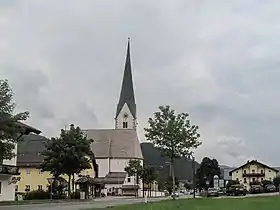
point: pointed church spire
(127, 90)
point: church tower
(126, 108)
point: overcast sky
(217, 60)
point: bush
(36, 195)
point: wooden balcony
(9, 169)
(254, 174)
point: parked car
(270, 188)
(213, 192)
(177, 194)
(236, 190)
(256, 189)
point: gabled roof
(253, 162)
(127, 90)
(114, 143)
(29, 150)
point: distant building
(253, 171)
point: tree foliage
(173, 134)
(206, 172)
(149, 174)
(266, 182)
(9, 127)
(276, 182)
(68, 154)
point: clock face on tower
(125, 115)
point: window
(28, 171)
(254, 179)
(269, 171)
(40, 187)
(124, 124)
(261, 179)
(0, 187)
(40, 171)
(128, 179)
(261, 171)
(27, 188)
(237, 179)
(245, 181)
(244, 171)
(237, 172)
(16, 188)
(253, 171)
(269, 178)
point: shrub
(36, 195)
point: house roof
(28, 129)
(29, 150)
(115, 143)
(127, 91)
(114, 178)
(253, 162)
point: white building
(113, 148)
(9, 171)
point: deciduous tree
(68, 154)
(206, 172)
(134, 168)
(173, 134)
(10, 127)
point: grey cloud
(216, 60)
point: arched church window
(125, 125)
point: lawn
(256, 203)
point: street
(106, 202)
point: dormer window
(125, 125)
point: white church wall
(131, 122)
(103, 167)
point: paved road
(99, 203)
(104, 202)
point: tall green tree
(9, 122)
(148, 175)
(206, 172)
(173, 134)
(68, 154)
(134, 168)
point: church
(113, 148)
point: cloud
(216, 60)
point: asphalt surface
(106, 202)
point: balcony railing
(9, 169)
(253, 174)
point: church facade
(113, 148)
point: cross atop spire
(127, 90)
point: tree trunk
(173, 179)
(69, 185)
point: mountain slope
(152, 156)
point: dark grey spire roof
(127, 91)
